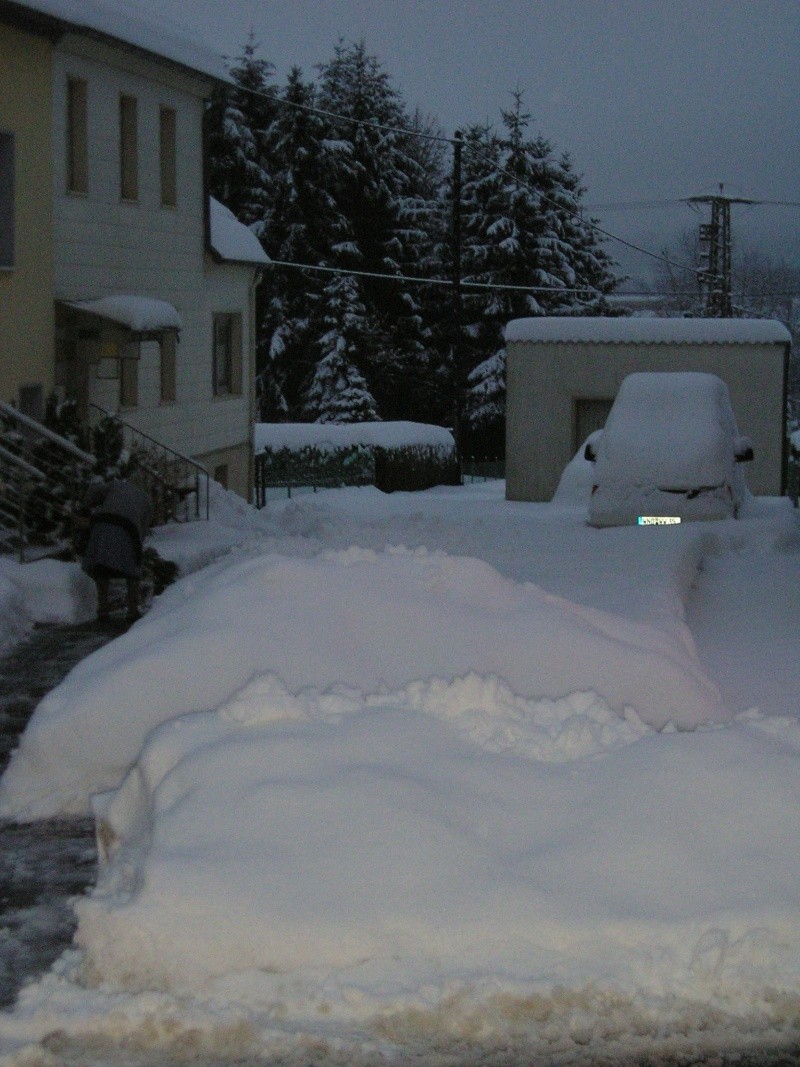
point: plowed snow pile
(384, 804)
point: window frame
(227, 352)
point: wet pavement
(44, 864)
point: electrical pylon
(715, 253)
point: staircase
(34, 460)
(178, 486)
(44, 478)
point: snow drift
(356, 617)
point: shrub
(411, 468)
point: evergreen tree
(383, 189)
(239, 120)
(338, 392)
(523, 229)
(301, 224)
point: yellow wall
(26, 291)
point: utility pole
(715, 253)
(456, 344)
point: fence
(483, 468)
(312, 467)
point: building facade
(147, 317)
(26, 213)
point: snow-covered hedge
(394, 455)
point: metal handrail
(43, 431)
(23, 465)
(24, 515)
(201, 475)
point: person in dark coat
(117, 529)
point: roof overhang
(125, 28)
(22, 17)
(647, 331)
(142, 318)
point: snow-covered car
(670, 450)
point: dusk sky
(654, 100)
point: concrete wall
(26, 290)
(545, 379)
(105, 246)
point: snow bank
(447, 831)
(356, 617)
(42, 592)
(575, 485)
(294, 435)
(354, 849)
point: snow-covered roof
(140, 314)
(231, 239)
(115, 20)
(648, 331)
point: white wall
(104, 246)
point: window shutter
(77, 136)
(169, 182)
(128, 148)
(236, 354)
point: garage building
(562, 375)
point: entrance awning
(145, 317)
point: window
(128, 148)
(168, 148)
(6, 200)
(168, 347)
(77, 137)
(227, 368)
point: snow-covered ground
(436, 778)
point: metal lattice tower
(715, 253)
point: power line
(418, 280)
(575, 213)
(442, 138)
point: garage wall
(545, 381)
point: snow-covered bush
(391, 455)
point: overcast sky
(654, 99)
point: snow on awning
(140, 314)
(648, 331)
(231, 240)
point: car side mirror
(743, 451)
(589, 452)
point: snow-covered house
(564, 373)
(153, 283)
